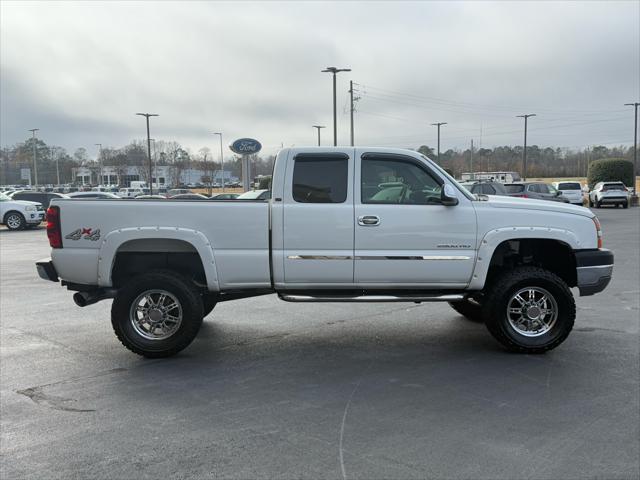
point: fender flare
(495, 237)
(115, 239)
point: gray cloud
(79, 71)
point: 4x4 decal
(86, 233)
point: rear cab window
(320, 178)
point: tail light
(54, 231)
(598, 231)
(523, 195)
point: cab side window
(320, 180)
(397, 182)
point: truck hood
(531, 204)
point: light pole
(438, 125)
(221, 159)
(334, 71)
(635, 144)
(35, 163)
(147, 115)
(318, 127)
(524, 152)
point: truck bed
(233, 234)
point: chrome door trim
(378, 257)
(319, 257)
(413, 257)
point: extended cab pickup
(342, 225)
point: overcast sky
(80, 70)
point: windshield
(514, 188)
(569, 186)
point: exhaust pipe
(82, 299)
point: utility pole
(353, 109)
(99, 145)
(147, 115)
(35, 163)
(471, 160)
(438, 125)
(635, 145)
(334, 71)
(221, 159)
(524, 152)
(318, 127)
(155, 163)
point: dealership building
(163, 175)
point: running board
(452, 297)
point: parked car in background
(225, 196)
(43, 198)
(571, 190)
(151, 197)
(609, 193)
(189, 196)
(536, 190)
(485, 188)
(103, 195)
(129, 192)
(177, 191)
(255, 195)
(19, 214)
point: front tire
(157, 314)
(529, 310)
(14, 221)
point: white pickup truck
(342, 225)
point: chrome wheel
(14, 221)
(156, 314)
(532, 311)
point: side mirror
(449, 196)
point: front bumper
(46, 270)
(594, 270)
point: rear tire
(157, 314)
(527, 323)
(470, 309)
(14, 221)
(625, 205)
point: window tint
(320, 180)
(533, 188)
(543, 188)
(569, 186)
(488, 189)
(395, 181)
(514, 188)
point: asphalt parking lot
(275, 390)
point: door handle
(369, 220)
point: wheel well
(552, 255)
(9, 213)
(141, 256)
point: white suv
(19, 214)
(609, 193)
(571, 190)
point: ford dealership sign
(245, 146)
